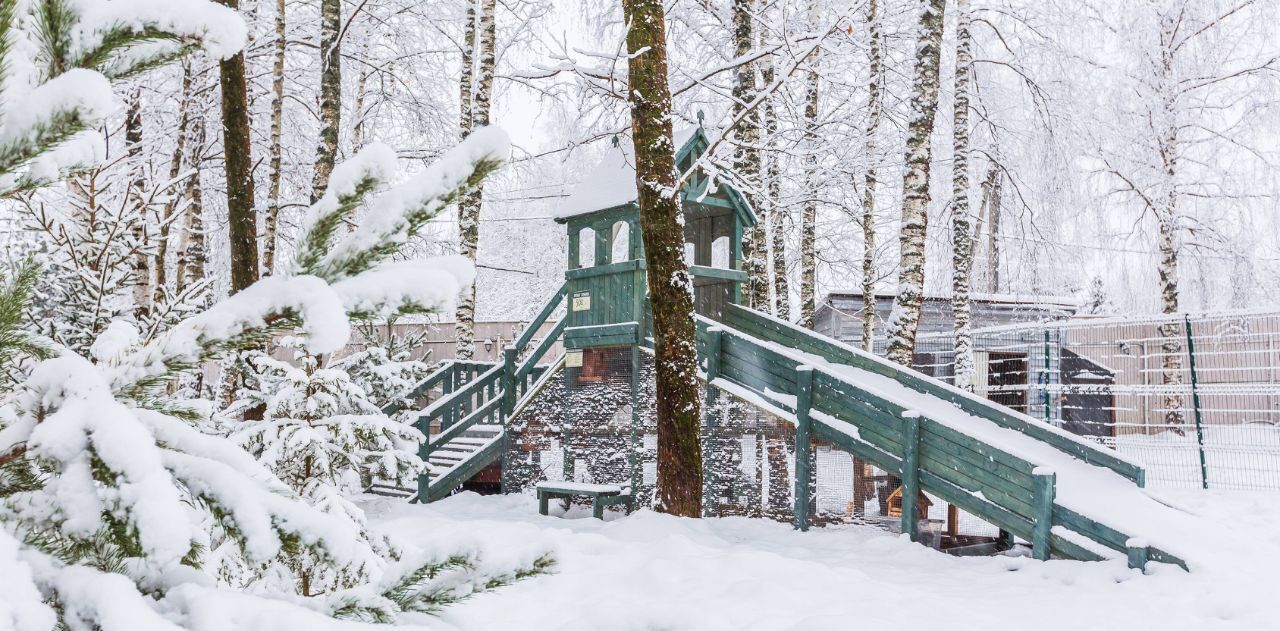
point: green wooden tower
(605, 278)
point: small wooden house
(605, 282)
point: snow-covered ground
(652, 571)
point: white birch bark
(276, 151)
(961, 228)
(875, 108)
(905, 317)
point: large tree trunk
(141, 278)
(1167, 224)
(330, 95)
(961, 228)
(905, 318)
(809, 212)
(272, 219)
(746, 155)
(477, 91)
(242, 220)
(670, 289)
(875, 108)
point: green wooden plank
(860, 448)
(703, 271)
(465, 470)
(531, 362)
(1097, 531)
(873, 426)
(985, 509)
(804, 453)
(911, 476)
(541, 318)
(982, 450)
(1160, 556)
(1040, 546)
(1072, 550)
(1019, 479)
(972, 479)
(804, 340)
(608, 269)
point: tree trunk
(961, 228)
(272, 219)
(670, 289)
(875, 108)
(991, 207)
(746, 155)
(1167, 223)
(330, 95)
(191, 256)
(475, 112)
(242, 220)
(772, 211)
(905, 318)
(809, 212)
(141, 278)
(175, 169)
(362, 95)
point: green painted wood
(1160, 556)
(433, 380)
(804, 448)
(530, 364)
(702, 271)
(856, 446)
(484, 413)
(983, 508)
(601, 335)
(465, 470)
(542, 317)
(1045, 483)
(933, 443)
(790, 335)
(1072, 550)
(911, 475)
(1101, 533)
(1138, 556)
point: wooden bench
(601, 495)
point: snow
(427, 285)
(219, 29)
(613, 181)
(581, 486)
(653, 571)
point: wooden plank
(1045, 483)
(983, 508)
(804, 454)
(464, 471)
(936, 443)
(981, 450)
(541, 318)
(1000, 491)
(860, 448)
(1097, 531)
(530, 364)
(703, 271)
(801, 339)
(1072, 550)
(911, 475)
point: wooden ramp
(1040, 483)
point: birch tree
(875, 108)
(330, 95)
(670, 289)
(746, 155)
(809, 211)
(276, 151)
(961, 228)
(478, 61)
(905, 317)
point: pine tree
(905, 317)
(670, 290)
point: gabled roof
(612, 183)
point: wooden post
(424, 452)
(1043, 482)
(910, 473)
(710, 408)
(804, 453)
(508, 405)
(1138, 552)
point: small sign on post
(581, 301)
(573, 359)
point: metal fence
(1196, 399)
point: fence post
(910, 473)
(715, 336)
(804, 452)
(1048, 410)
(1195, 403)
(1137, 552)
(1044, 483)
(424, 452)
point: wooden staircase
(467, 403)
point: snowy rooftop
(613, 181)
(1003, 298)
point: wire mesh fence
(1196, 399)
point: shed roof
(612, 183)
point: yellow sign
(582, 301)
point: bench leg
(597, 508)
(542, 503)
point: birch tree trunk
(477, 90)
(330, 95)
(961, 228)
(191, 256)
(670, 289)
(875, 108)
(809, 212)
(772, 211)
(242, 220)
(171, 206)
(272, 219)
(1167, 224)
(746, 155)
(991, 207)
(141, 277)
(905, 318)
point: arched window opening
(621, 242)
(587, 248)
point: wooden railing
(926, 454)
(481, 393)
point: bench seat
(601, 495)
